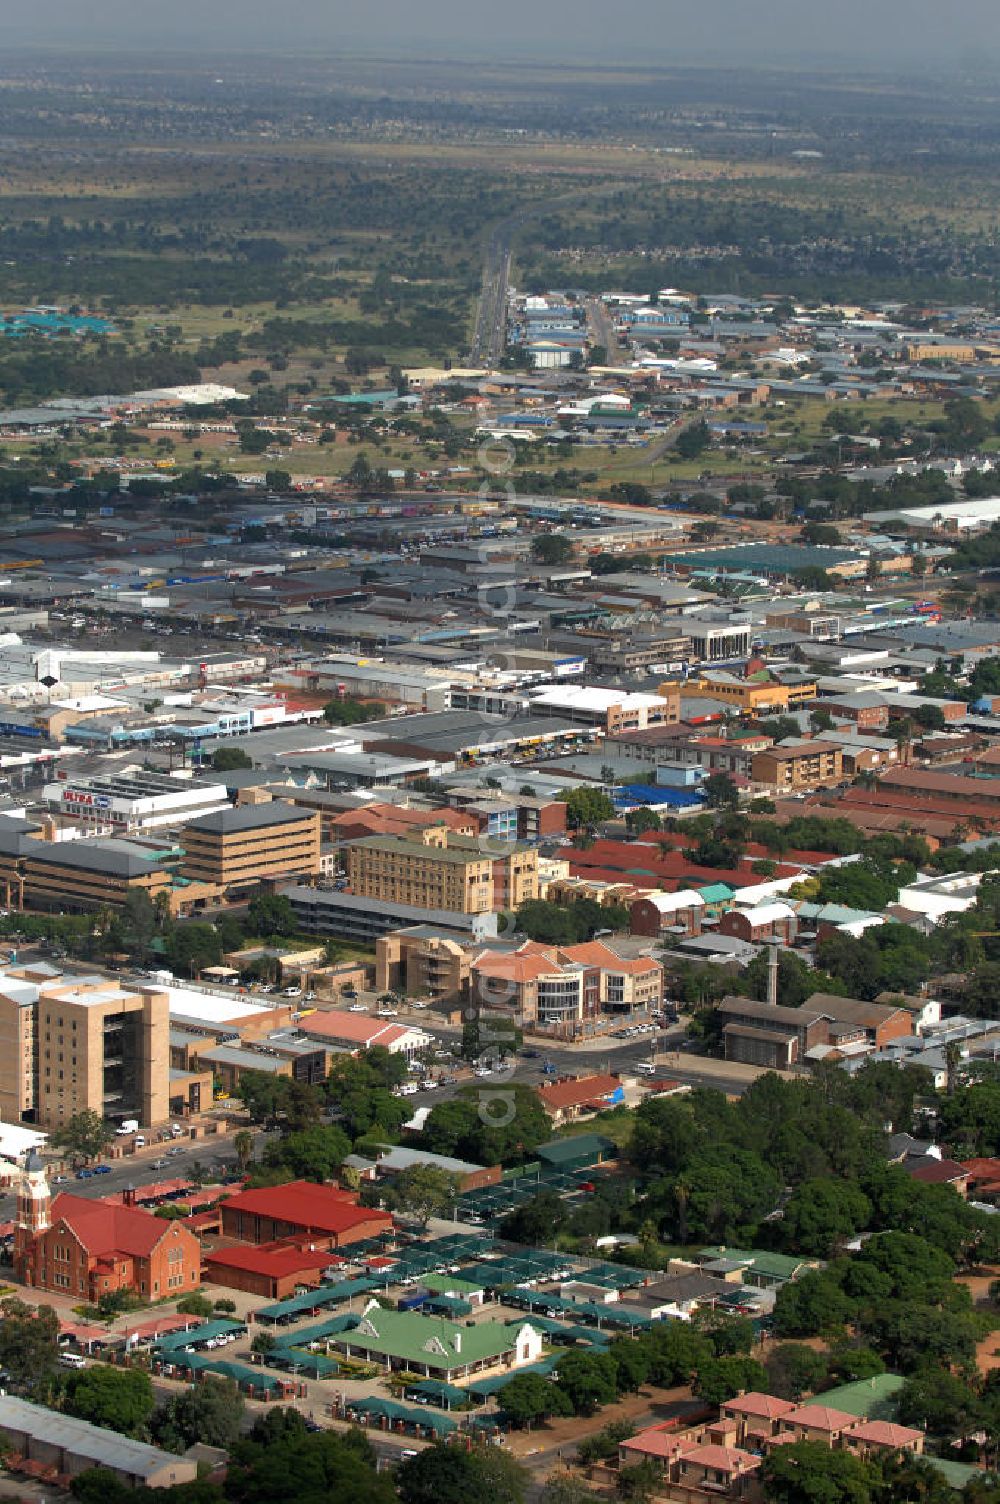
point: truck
(127, 1126)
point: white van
(646, 1068)
(71, 1360)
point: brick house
(92, 1248)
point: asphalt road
(490, 338)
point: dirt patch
(978, 1285)
(643, 1409)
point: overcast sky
(890, 33)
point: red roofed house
(568, 1099)
(816, 1422)
(300, 1209)
(872, 1435)
(86, 1249)
(272, 1273)
(756, 1416)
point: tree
(639, 821)
(422, 1191)
(807, 1472)
(941, 1402)
(529, 1398)
(693, 440)
(815, 1303)
(211, 1412)
(230, 759)
(86, 1135)
(120, 1399)
(489, 1125)
(586, 807)
(315, 1153)
(133, 929)
(639, 1481)
(794, 1370)
(192, 946)
(720, 791)
(720, 1379)
(194, 1304)
(551, 548)
(28, 1345)
(536, 1221)
(588, 1380)
(281, 1459)
(822, 1213)
(444, 1474)
(271, 914)
(243, 1148)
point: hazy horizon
(889, 35)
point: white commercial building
(134, 802)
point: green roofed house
(869, 1399)
(437, 1347)
(753, 1266)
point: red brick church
(87, 1248)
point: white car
(357, 1008)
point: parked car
(102, 1169)
(85, 1174)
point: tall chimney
(772, 974)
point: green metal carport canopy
(389, 1410)
(172, 1342)
(301, 1360)
(315, 1300)
(439, 1393)
(484, 1388)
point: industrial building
(49, 1439)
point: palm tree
(682, 1195)
(243, 1144)
(952, 1059)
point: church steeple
(34, 1205)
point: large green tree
(120, 1399)
(28, 1345)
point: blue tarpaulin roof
(654, 793)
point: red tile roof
(361, 1029)
(104, 1228)
(723, 1459)
(577, 1092)
(883, 1433)
(819, 1418)
(755, 1403)
(654, 1443)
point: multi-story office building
(799, 765)
(36, 873)
(566, 991)
(441, 871)
(239, 847)
(84, 1044)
